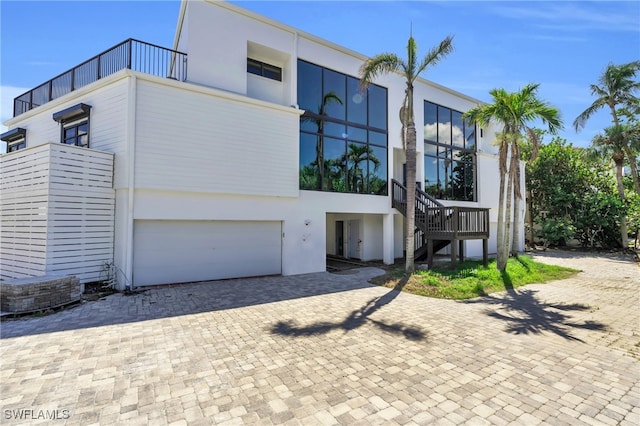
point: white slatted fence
(56, 211)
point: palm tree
(610, 144)
(513, 111)
(410, 69)
(616, 89)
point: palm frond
(581, 120)
(436, 54)
(383, 63)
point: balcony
(130, 54)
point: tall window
(449, 154)
(343, 132)
(74, 125)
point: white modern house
(247, 149)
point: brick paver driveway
(332, 349)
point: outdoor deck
(436, 223)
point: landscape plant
(471, 279)
(513, 112)
(410, 68)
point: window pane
(356, 133)
(377, 107)
(14, 146)
(335, 89)
(357, 164)
(83, 140)
(431, 175)
(457, 129)
(457, 180)
(469, 182)
(356, 102)
(444, 152)
(440, 186)
(378, 138)
(310, 124)
(430, 149)
(444, 125)
(254, 67)
(463, 176)
(335, 129)
(430, 122)
(377, 170)
(334, 165)
(308, 162)
(470, 135)
(444, 178)
(272, 72)
(309, 86)
(69, 132)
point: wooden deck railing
(440, 222)
(437, 226)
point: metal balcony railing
(132, 54)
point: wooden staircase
(437, 225)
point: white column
(387, 239)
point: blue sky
(562, 45)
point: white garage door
(182, 251)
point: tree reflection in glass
(328, 99)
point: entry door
(340, 238)
(354, 239)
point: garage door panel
(181, 251)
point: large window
(449, 154)
(343, 132)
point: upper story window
(449, 154)
(74, 125)
(263, 69)
(16, 139)
(343, 132)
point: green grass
(470, 279)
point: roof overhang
(13, 134)
(72, 113)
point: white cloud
(430, 131)
(572, 16)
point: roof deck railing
(131, 54)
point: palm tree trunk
(517, 196)
(411, 196)
(529, 202)
(507, 213)
(618, 159)
(501, 261)
(633, 166)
